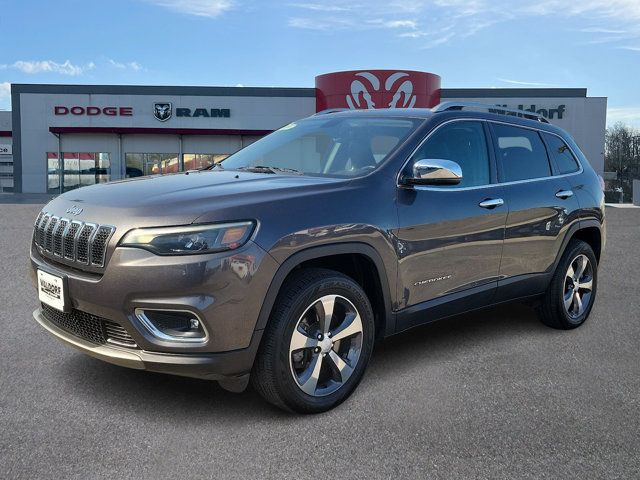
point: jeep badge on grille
(75, 210)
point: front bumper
(228, 366)
(224, 290)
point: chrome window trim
(487, 185)
(148, 324)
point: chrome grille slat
(42, 226)
(58, 236)
(36, 226)
(82, 243)
(40, 229)
(70, 240)
(99, 243)
(74, 241)
(48, 236)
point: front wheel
(317, 344)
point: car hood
(180, 199)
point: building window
(140, 164)
(199, 161)
(77, 169)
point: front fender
(311, 253)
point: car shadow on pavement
(185, 399)
(458, 335)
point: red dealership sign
(93, 111)
(363, 89)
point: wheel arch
(587, 230)
(355, 260)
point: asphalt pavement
(493, 394)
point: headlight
(189, 240)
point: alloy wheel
(325, 345)
(578, 286)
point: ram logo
(397, 84)
(162, 111)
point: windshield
(324, 146)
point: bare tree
(622, 155)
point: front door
(450, 238)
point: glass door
(77, 169)
(142, 164)
(70, 171)
(53, 173)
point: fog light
(173, 325)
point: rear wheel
(571, 293)
(317, 344)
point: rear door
(541, 209)
(449, 246)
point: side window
(521, 153)
(561, 154)
(463, 142)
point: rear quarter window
(561, 154)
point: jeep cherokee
(282, 265)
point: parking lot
(493, 394)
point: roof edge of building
(19, 88)
(512, 92)
(201, 90)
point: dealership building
(60, 137)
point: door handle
(564, 194)
(491, 203)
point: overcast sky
(477, 43)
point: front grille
(89, 327)
(79, 242)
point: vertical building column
(180, 154)
(123, 166)
(60, 167)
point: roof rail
(444, 106)
(330, 110)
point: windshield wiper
(268, 169)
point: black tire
(552, 311)
(273, 375)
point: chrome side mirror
(434, 171)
